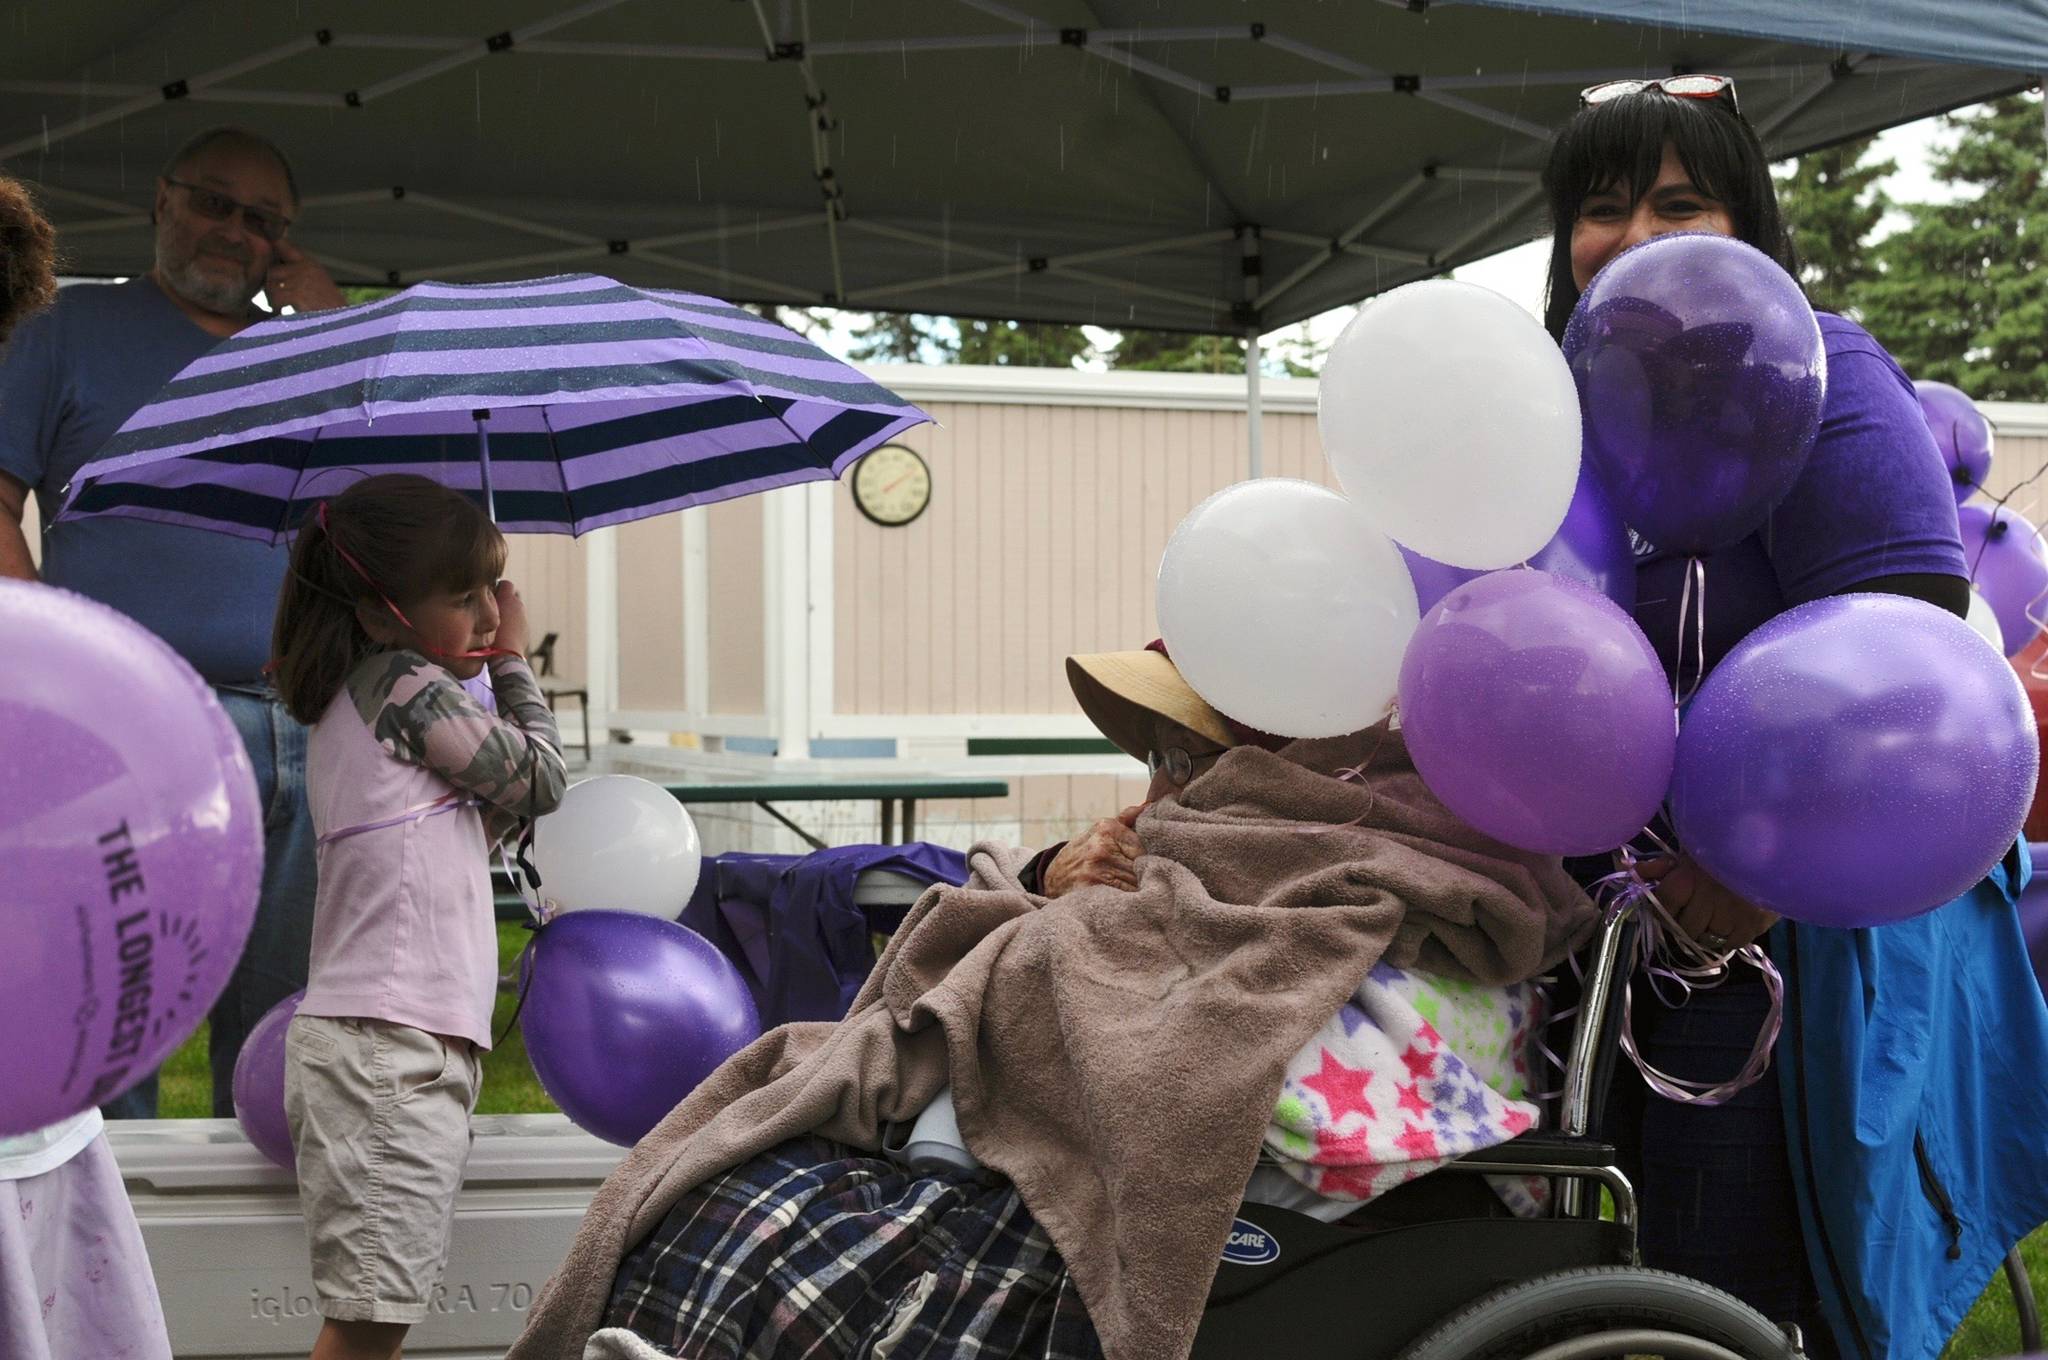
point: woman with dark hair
(1862, 1189)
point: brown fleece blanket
(1116, 1054)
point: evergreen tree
(1962, 295)
(1833, 200)
(901, 338)
(1288, 355)
(1035, 344)
(914, 338)
(1177, 352)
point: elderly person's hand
(300, 282)
(1715, 917)
(1105, 853)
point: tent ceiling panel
(1114, 162)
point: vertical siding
(2015, 460)
(1042, 539)
(549, 570)
(733, 531)
(651, 614)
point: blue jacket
(1914, 1066)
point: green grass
(1992, 1327)
(509, 1084)
(1991, 1330)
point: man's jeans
(273, 964)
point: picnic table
(897, 794)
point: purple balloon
(2033, 905)
(2008, 563)
(132, 842)
(1701, 376)
(1590, 546)
(625, 1014)
(259, 1084)
(1855, 760)
(1537, 711)
(1961, 433)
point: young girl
(393, 600)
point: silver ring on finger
(1713, 942)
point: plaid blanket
(814, 1249)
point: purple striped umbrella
(566, 403)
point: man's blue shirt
(68, 380)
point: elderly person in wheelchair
(1247, 1067)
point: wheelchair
(1569, 1286)
(1480, 1285)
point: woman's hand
(1105, 853)
(1715, 917)
(512, 634)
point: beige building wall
(2020, 457)
(1045, 529)
(1054, 495)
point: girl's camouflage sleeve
(512, 761)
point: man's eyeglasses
(218, 207)
(1178, 764)
(1681, 87)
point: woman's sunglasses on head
(1679, 87)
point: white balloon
(617, 843)
(1985, 621)
(1285, 609)
(1450, 417)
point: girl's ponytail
(316, 639)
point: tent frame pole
(1254, 406)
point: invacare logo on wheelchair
(1250, 1245)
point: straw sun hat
(1122, 692)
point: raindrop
(698, 161)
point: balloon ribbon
(1675, 965)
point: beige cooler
(229, 1248)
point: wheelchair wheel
(1604, 1311)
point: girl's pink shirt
(403, 926)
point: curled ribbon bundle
(1675, 966)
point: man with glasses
(223, 213)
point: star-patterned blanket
(1118, 1055)
(1410, 1073)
